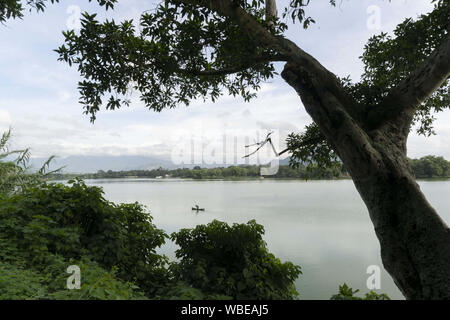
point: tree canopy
(13, 9)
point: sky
(39, 96)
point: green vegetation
(232, 172)
(424, 168)
(347, 293)
(430, 167)
(233, 261)
(14, 174)
(45, 229)
(14, 9)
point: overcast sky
(39, 97)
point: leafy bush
(98, 284)
(19, 284)
(44, 227)
(232, 261)
(347, 293)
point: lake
(321, 225)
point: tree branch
(271, 11)
(248, 24)
(402, 101)
(234, 69)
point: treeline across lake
(429, 167)
(198, 173)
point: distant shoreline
(429, 168)
(231, 179)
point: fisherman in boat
(197, 208)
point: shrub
(46, 226)
(19, 284)
(347, 293)
(232, 261)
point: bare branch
(311, 141)
(262, 144)
(284, 151)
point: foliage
(178, 290)
(14, 169)
(347, 293)
(430, 167)
(311, 148)
(13, 9)
(182, 53)
(233, 172)
(98, 284)
(232, 261)
(19, 284)
(296, 11)
(389, 59)
(44, 227)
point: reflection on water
(321, 225)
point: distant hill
(92, 164)
(285, 161)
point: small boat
(197, 208)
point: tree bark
(415, 242)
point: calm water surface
(321, 225)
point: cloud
(5, 117)
(419, 146)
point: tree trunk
(415, 242)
